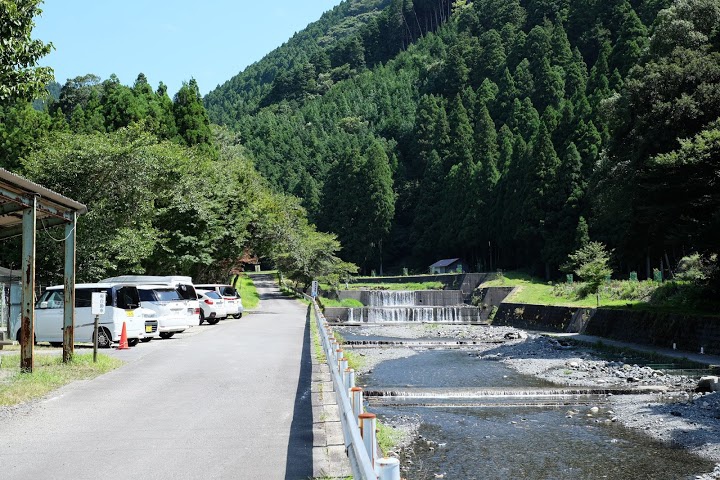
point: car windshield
(212, 295)
(128, 298)
(229, 291)
(168, 295)
(186, 292)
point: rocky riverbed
(673, 413)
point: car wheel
(239, 315)
(133, 341)
(146, 340)
(213, 321)
(166, 335)
(56, 344)
(104, 338)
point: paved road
(232, 401)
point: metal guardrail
(360, 462)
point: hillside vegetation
(508, 132)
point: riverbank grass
(345, 302)
(49, 374)
(616, 293)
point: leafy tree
(591, 263)
(191, 118)
(20, 78)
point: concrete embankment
(689, 333)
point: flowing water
(390, 298)
(509, 439)
(457, 314)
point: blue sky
(169, 41)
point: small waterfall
(390, 298)
(460, 314)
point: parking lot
(218, 401)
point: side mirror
(43, 305)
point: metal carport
(25, 206)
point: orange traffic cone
(123, 339)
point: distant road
(232, 402)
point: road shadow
(299, 462)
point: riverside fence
(359, 427)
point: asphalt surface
(230, 400)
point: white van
(174, 315)
(183, 284)
(122, 306)
(233, 302)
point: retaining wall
(465, 282)
(689, 332)
(534, 317)
(643, 327)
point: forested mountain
(507, 132)
(166, 192)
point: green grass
(248, 292)
(355, 361)
(387, 437)
(315, 335)
(667, 297)
(346, 302)
(532, 290)
(48, 374)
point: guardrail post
(349, 378)
(357, 401)
(368, 424)
(388, 469)
(343, 364)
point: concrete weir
(404, 298)
(395, 306)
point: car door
(49, 317)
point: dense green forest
(167, 193)
(507, 132)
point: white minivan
(122, 305)
(174, 316)
(182, 284)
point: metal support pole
(69, 296)
(95, 338)
(349, 379)
(388, 469)
(27, 329)
(342, 364)
(369, 436)
(357, 401)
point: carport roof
(15, 195)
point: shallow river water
(512, 440)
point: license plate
(148, 328)
(130, 313)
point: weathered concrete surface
(689, 333)
(465, 282)
(329, 457)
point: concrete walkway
(710, 360)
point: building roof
(444, 263)
(15, 194)
(7, 274)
